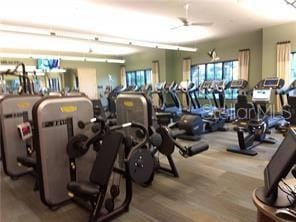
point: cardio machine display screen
(271, 83)
(206, 84)
(236, 84)
(26, 130)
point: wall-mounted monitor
(48, 64)
(278, 168)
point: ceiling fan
(186, 22)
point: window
(54, 84)
(198, 75)
(138, 77)
(293, 66)
(227, 70)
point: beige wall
(262, 44)
(143, 60)
(227, 49)
(102, 71)
(87, 79)
(271, 36)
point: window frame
(206, 73)
(134, 73)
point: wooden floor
(213, 186)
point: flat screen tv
(48, 64)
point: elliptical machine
(216, 121)
(289, 109)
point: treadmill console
(184, 85)
(206, 84)
(158, 86)
(261, 95)
(219, 84)
(238, 84)
(293, 85)
(272, 83)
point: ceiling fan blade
(176, 27)
(201, 23)
(183, 20)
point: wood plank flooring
(213, 186)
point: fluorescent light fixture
(26, 41)
(163, 46)
(144, 44)
(12, 67)
(57, 70)
(31, 70)
(67, 58)
(78, 42)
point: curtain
(244, 61)
(186, 69)
(283, 57)
(122, 76)
(186, 74)
(155, 72)
(155, 80)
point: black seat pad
(189, 137)
(27, 161)
(176, 132)
(198, 148)
(83, 188)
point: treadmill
(206, 87)
(213, 120)
(193, 106)
(170, 108)
(217, 88)
(240, 85)
(289, 109)
(171, 100)
(262, 96)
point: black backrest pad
(105, 159)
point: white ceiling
(230, 17)
(144, 20)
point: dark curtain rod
(242, 50)
(285, 42)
